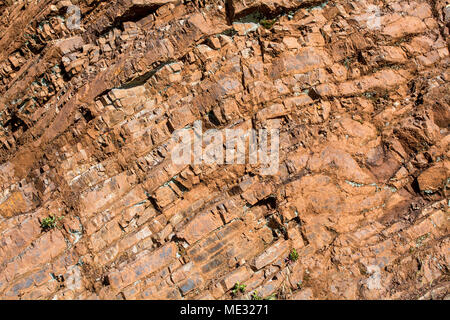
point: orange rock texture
(93, 207)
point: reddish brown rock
(435, 178)
(276, 251)
(92, 205)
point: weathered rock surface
(359, 90)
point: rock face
(93, 207)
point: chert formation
(92, 207)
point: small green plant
(421, 239)
(293, 256)
(50, 222)
(256, 296)
(273, 296)
(267, 23)
(239, 288)
(347, 63)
